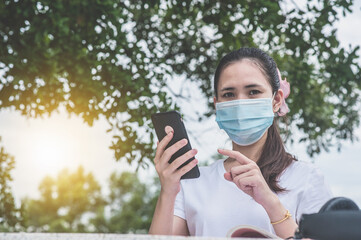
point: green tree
(117, 59)
(66, 203)
(10, 215)
(131, 205)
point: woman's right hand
(169, 174)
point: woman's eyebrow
(252, 86)
(228, 89)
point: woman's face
(242, 80)
(245, 80)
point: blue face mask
(245, 120)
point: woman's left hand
(248, 177)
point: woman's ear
(214, 101)
(277, 100)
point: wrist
(271, 202)
(274, 208)
(167, 195)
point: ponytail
(274, 158)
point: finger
(179, 173)
(244, 182)
(182, 159)
(250, 173)
(236, 155)
(168, 129)
(247, 178)
(241, 169)
(173, 149)
(228, 176)
(245, 187)
(162, 144)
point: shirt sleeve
(179, 209)
(316, 192)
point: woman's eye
(254, 92)
(228, 95)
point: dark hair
(274, 158)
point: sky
(46, 145)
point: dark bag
(339, 218)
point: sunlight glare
(50, 152)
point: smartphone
(174, 120)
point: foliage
(131, 205)
(64, 203)
(73, 203)
(118, 59)
(9, 214)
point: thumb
(228, 176)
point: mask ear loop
(273, 98)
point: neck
(252, 151)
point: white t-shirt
(211, 205)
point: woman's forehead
(242, 73)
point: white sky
(76, 144)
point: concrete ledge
(95, 236)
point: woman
(259, 183)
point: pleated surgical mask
(245, 120)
